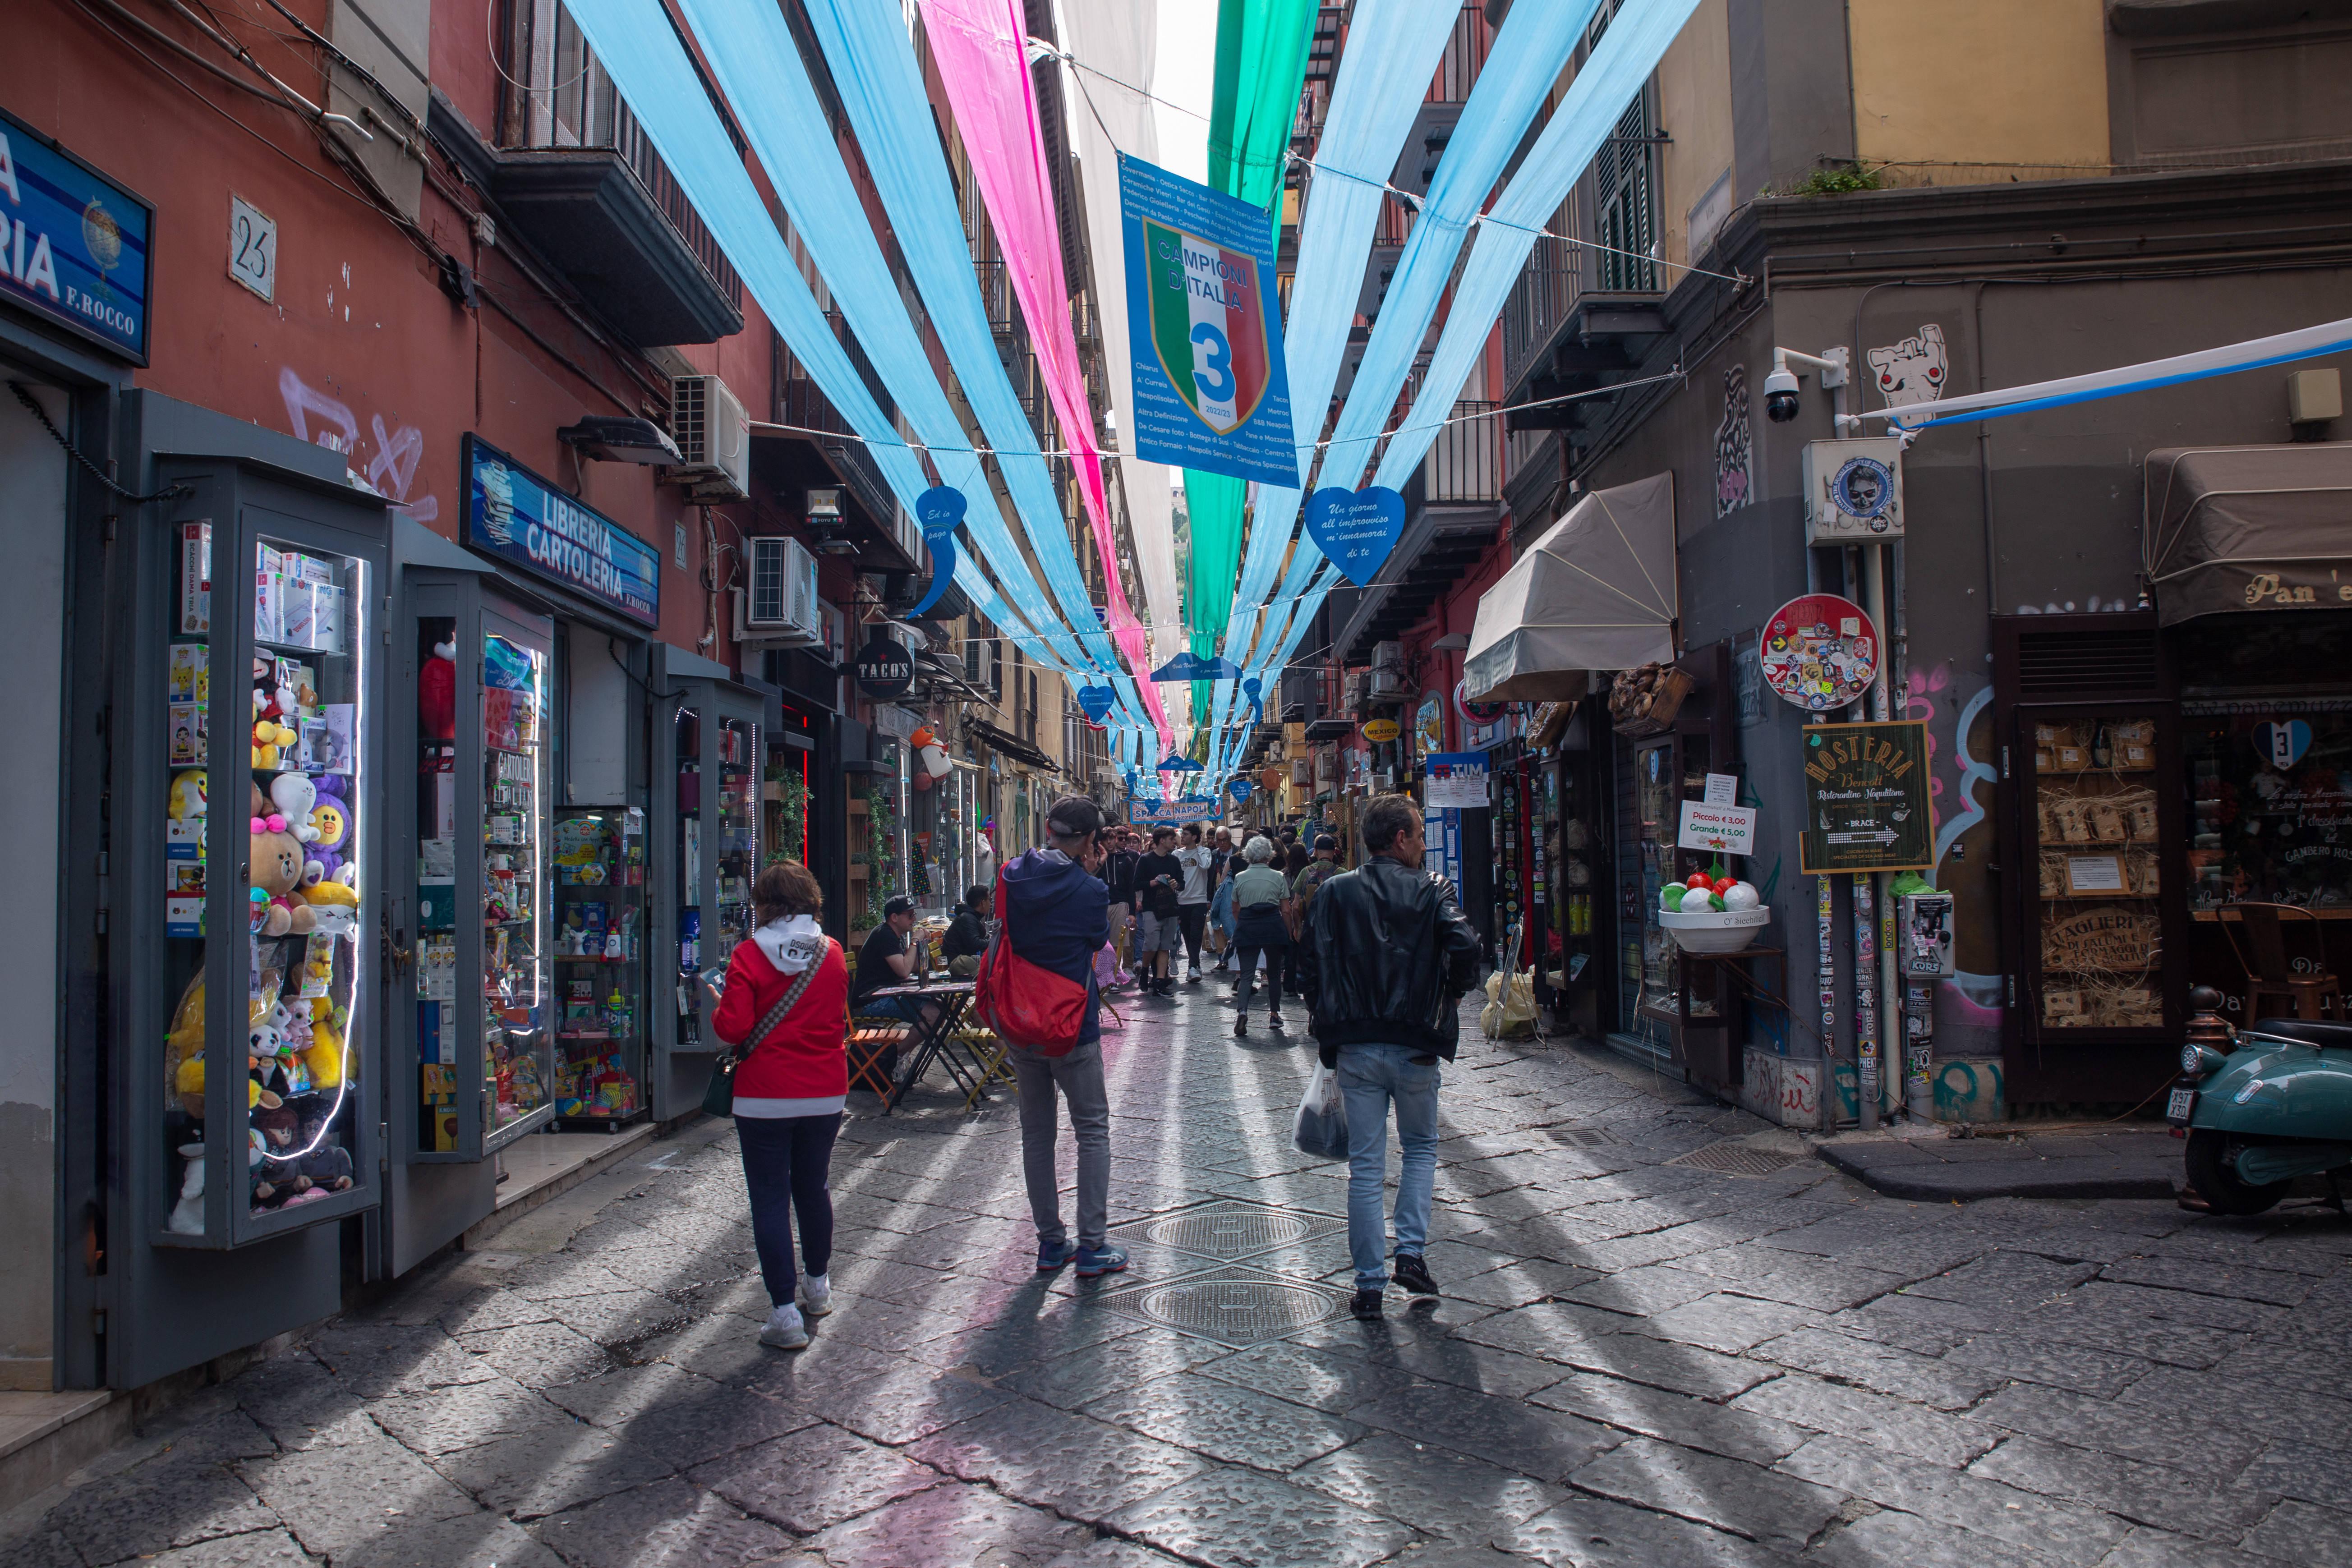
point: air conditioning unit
(714, 436)
(1388, 671)
(981, 667)
(778, 607)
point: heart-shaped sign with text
(1239, 789)
(940, 510)
(2282, 743)
(1357, 529)
(1095, 701)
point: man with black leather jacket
(1385, 958)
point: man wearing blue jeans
(1384, 960)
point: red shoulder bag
(1024, 1002)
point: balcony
(822, 452)
(1441, 106)
(578, 179)
(1453, 505)
(1559, 328)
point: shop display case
(262, 686)
(481, 1004)
(2098, 872)
(707, 788)
(599, 963)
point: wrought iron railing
(996, 296)
(1539, 302)
(588, 112)
(1466, 53)
(1464, 465)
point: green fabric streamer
(1261, 68)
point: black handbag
(718, 1094)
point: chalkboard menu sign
(1866, 799)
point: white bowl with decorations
(1715, 930)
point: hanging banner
(1866, 798)
(1357, 529)
(1820, 652)
(938, 509)
(1453, 780)
(1239, 789)
(1211, 388)
(1197, 667)
(1171, 813)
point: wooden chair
(874, 1055)
(2309, 988)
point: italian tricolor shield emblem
(1207, 325)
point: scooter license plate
(2177, 1108)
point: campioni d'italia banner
(1210, 388)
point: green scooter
(2261, 1105)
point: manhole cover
(1734, 1158)
(1232, 1306)
(1227, 1231)
(1584, 1137)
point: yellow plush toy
(325, 1057)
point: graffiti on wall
(1969, 1090)
(329, 421)
(1786, 1089)
(1735, 446)
(1912, 370)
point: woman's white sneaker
(785, 1331)
(816, 1294)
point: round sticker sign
(1382, 730)
(1820, 652)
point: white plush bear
(294, 794)
(1912, 370)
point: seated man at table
(887, 959)
(967, 936)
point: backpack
(1026, 1003)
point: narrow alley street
(1666, 1340)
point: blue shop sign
(515, 515)
(76, 248)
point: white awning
(1597, 592)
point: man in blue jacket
(1057, 917)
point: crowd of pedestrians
(1381, 956)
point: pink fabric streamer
(982, 46)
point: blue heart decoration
(1176, 763)
(2282, 744)
(1357, 529)
(1095, 702)
(1239, 789)
(940, 510)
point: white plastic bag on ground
(1321, 1129)
(1510, 1006)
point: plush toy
(188, 1214)
(333, 908)
(183, 1048)
(325, 1167)
(188, 795)
(277, 873)
(327, 858)
(436, 693)
(292, 796)
(272, 1145)
(325, 1057)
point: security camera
(1780, 394)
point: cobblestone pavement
(1639, 1359)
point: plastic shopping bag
(1321, 1129)
(1510, 1006)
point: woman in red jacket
(789, 1090)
